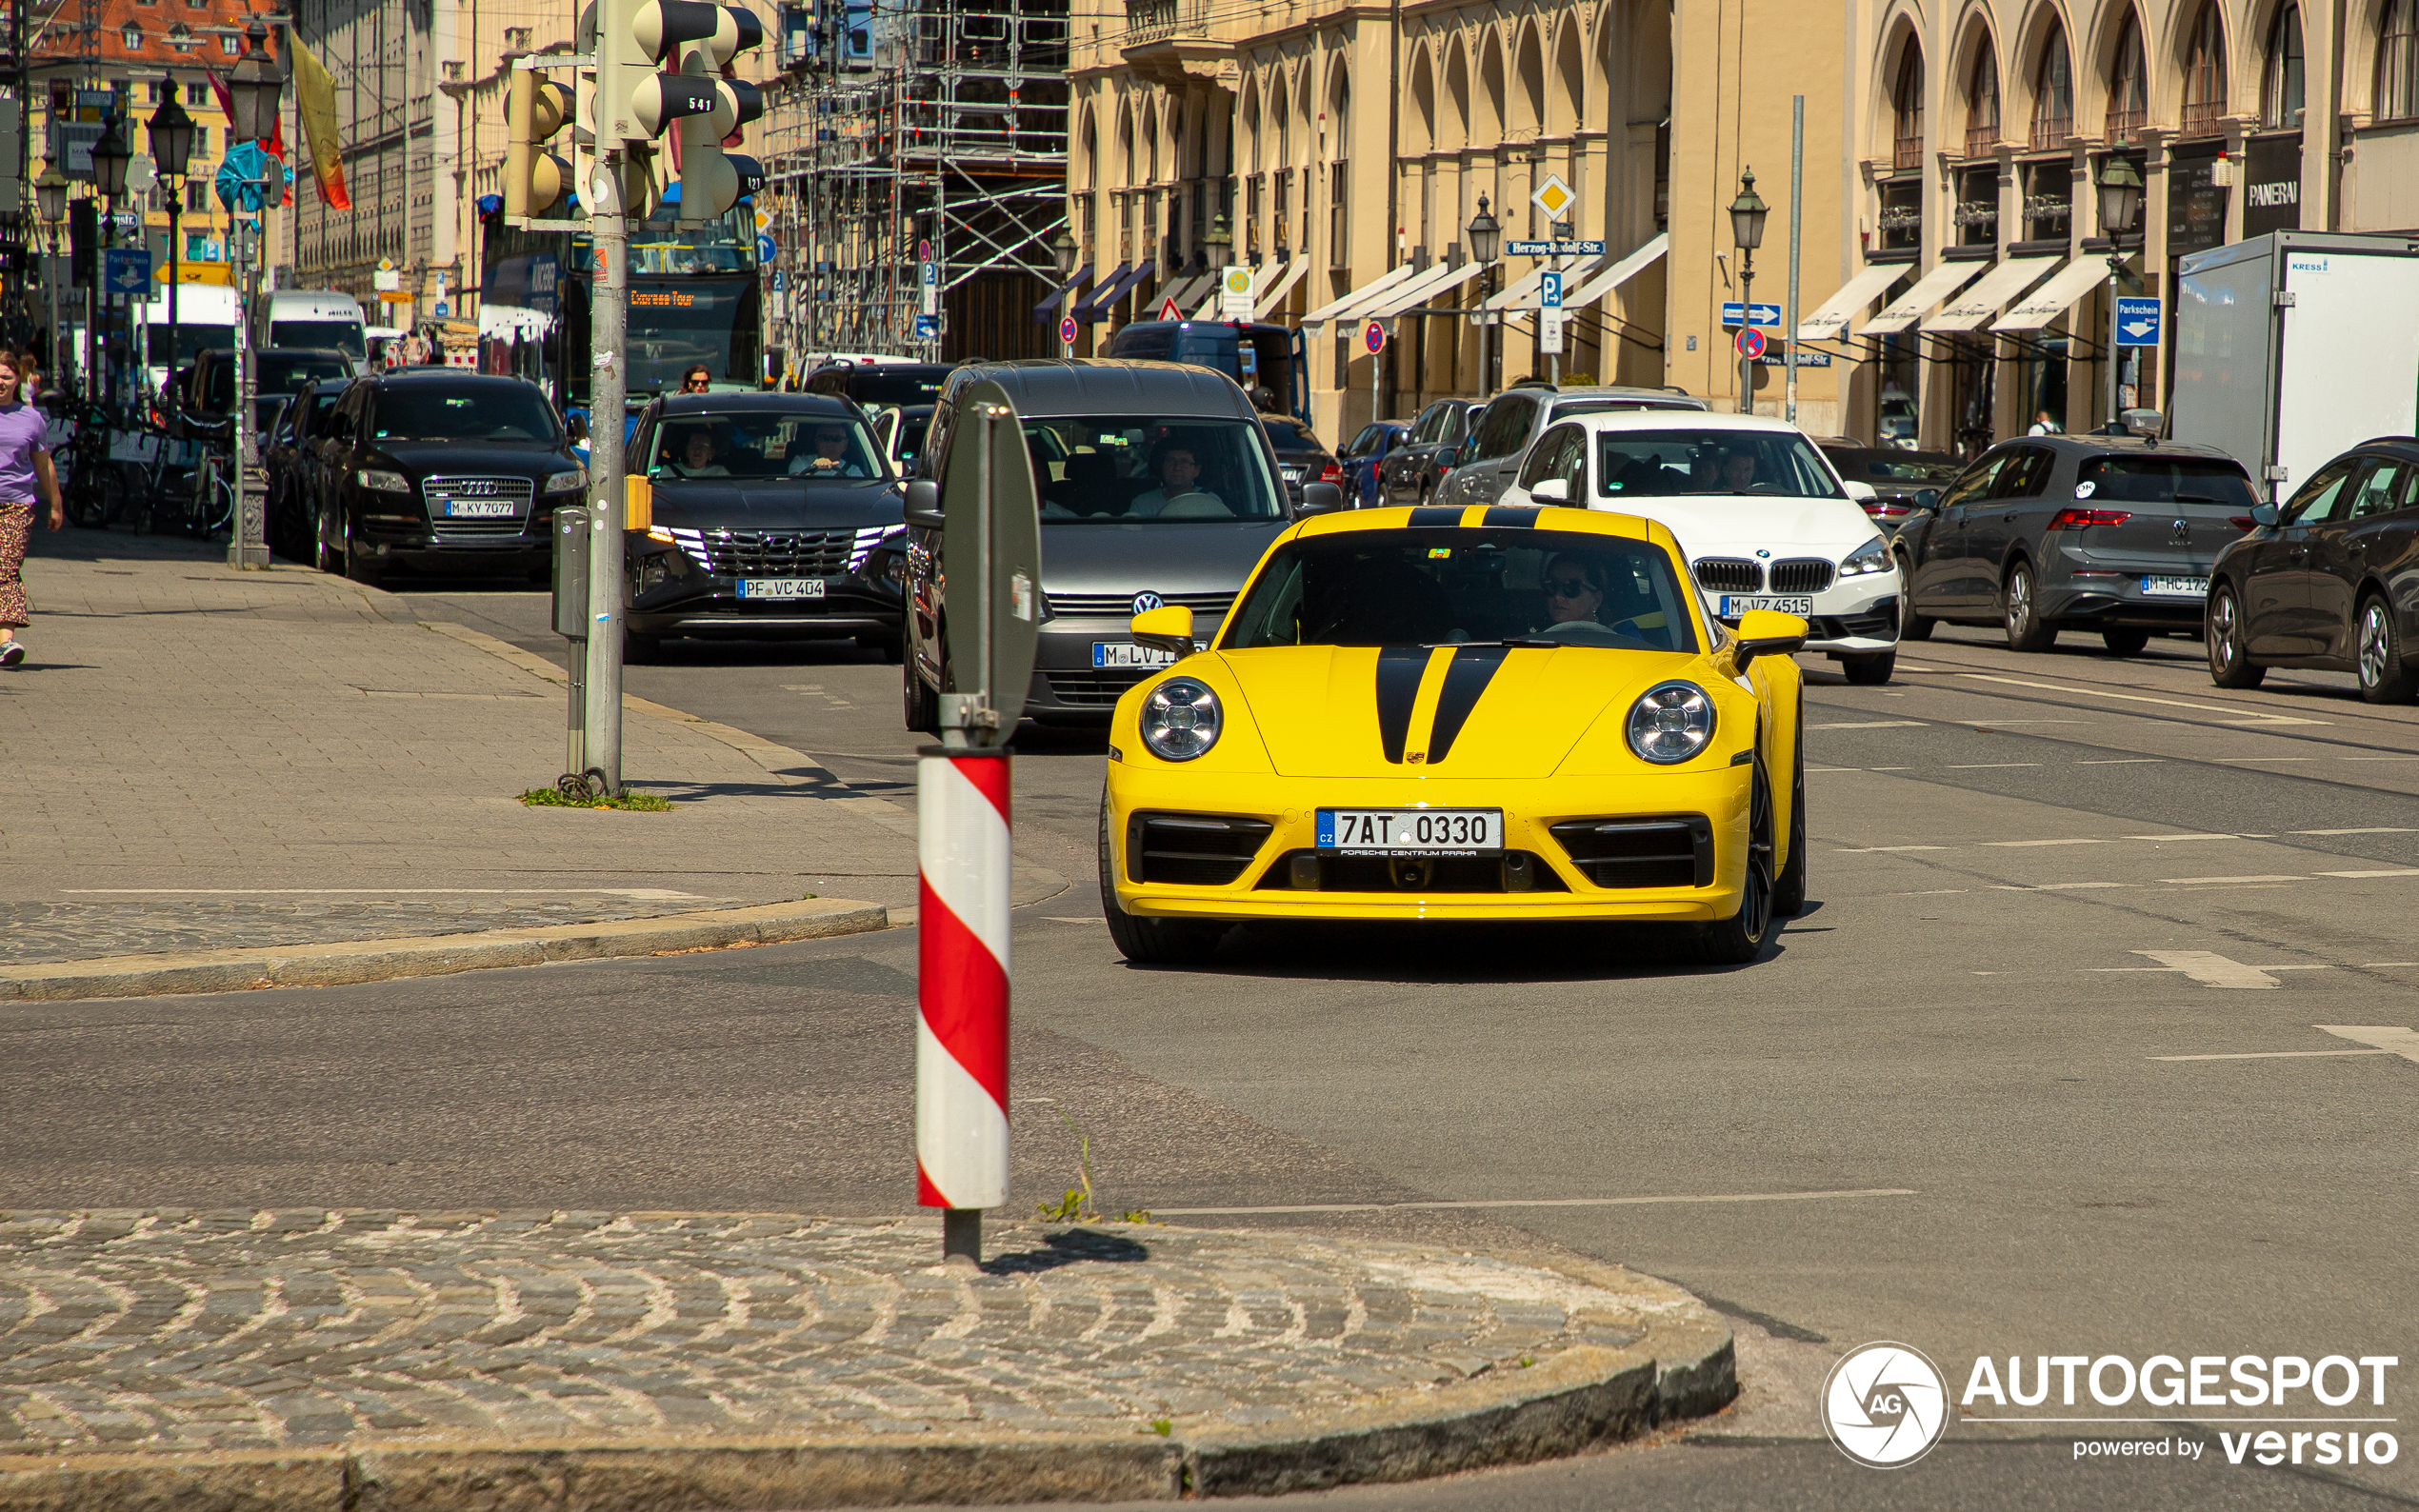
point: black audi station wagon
(766, 513)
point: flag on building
(316, 90)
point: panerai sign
(2272, 184)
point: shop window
(1982, 102)
(1901, 216)
(1978, 207)
(2054, 95)
(2205, 76)
(2280, 95)
(2048, 200)
(2128, 85)
(1907, 111)
(2398, 62)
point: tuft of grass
(1163, 1426)
(629, 802)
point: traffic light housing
(694, 41)
(535, 180)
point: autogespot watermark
(1886, 1405)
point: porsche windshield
(1458, 587)
(1128, 470)
(1634, 463)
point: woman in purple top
(24, 464)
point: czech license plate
(1127, 654)
(781, 587)
(481, 509)
(2159, 588)
(1411, 831)
(1735, 604)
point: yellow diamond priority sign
(1553, 196)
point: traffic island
(368, 1360)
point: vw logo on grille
(2183, 531)
(1145, 602)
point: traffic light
(695, 40)
(535, 180)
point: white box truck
(2295, 347)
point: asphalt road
(1941, 1111)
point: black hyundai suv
(436, 468)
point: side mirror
(1168, 629)
(1766, 632)
(1320, 498)
(2266, 515)
(924, 503)
(1861, 493)
(1549, 491)
(1926, 497)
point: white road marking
(2126, 761)
(2271, 1055)
(1975, 767)
(2296, 877)
(2381, 831)
(2406, 872)
(2144, 698)
(1062, 919)
(1536, 1202)
(1868, 850)
(1836, 768)
(1878, 724)
(2378, 758)
(646, 894)
(2056, 887)
(2263, 758)
(2008, 844)
(1998, 724)
(2210, 970)
(2179, 836)
(2395, 1038)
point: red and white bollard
(961, 1030)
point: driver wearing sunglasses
(695, 380)
(1574, 591)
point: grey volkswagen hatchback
(1158, 486)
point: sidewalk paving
(204, 760)
(309, 1357)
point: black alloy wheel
(2230, 664)
(919, 708)
(1912, 626)
(1738, 940)
(358, 567)
(2027, 630)
(1869, 670)
(322, 556)
(2384, 677)
(1148, 941)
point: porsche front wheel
(1789, 893)
(1148, 941)
(1739, 938)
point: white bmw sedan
(1764, 519)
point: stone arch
(1528, 96)
(2120, 52)
(1978, 87)
(1901, 83)
(1126, 160)
(1486, 127)
(1567, 103)
(1423, 97)
(1149, 139)
(1456, 96)
(2202, 54)
(1250, 114)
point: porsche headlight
(1670, 723)
(1873, 556)
(1180, 719)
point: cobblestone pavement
(75, 931)
(181, 728)
(186, 1331)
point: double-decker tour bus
(694, 297)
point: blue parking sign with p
(1549, 290)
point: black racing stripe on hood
(1473, 668)
(1399, 670)
(1435, 514)
(1509, 515)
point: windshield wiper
(1521, 642)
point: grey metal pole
(2114, 263)
(1747, 323)
(1797, 186)
(609, 383)
(248, 535)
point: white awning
(1186, 291)
(1524, 289)
(2052, 299)
(1978, 304)
(1371, 292)
(1263, 302)
(1603, 282)
(1262, 277)
(1829, 322)
(1945, 279)
(1437, 280)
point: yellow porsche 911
(1460, 714)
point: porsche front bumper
(1563, 890)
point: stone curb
(349, 962)
(1579, 1398)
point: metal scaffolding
(936, 134)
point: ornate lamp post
(1747, 233)
(109, 156)
(171, 133)
(1066, 252)
(2119, 190)
(254, 89)
(51, 199)
(1483, 233)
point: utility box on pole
(570, 622)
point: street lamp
(109, 156)
(51, 199)
(1483, 233)
(171, 133)
(1066, 252)
(1747, 234)
(253, 93)
(2119, 190)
